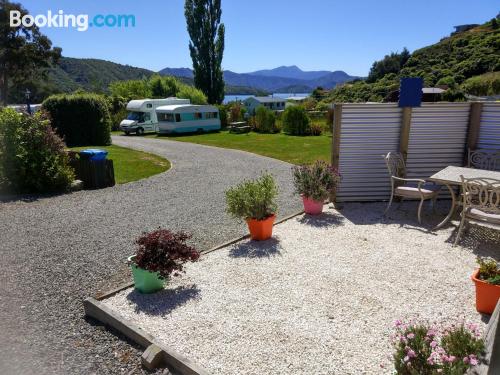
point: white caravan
(141, 115)
(186, 118)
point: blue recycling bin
(93, 154)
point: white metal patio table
(450, 176)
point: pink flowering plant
(423, 349)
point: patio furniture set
(475, 187)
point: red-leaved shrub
(164, 252)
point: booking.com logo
(80, 22)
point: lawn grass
(292, 149)
(131, 165)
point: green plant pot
(144, 280)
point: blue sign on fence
(410, 92)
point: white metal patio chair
(481, 203)
(412, 188)
(484, 159)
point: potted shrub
(487, 281)
(314, 183)
(255, 202)
(160, 254)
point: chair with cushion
(481, 203)
(484, 159)
(412, 188)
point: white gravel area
(319, 298)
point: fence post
(337, 124)
(474, 125)
(404, 135)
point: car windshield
(135, 116)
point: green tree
(191, 93)
(296, 121)
(206, 46)
(131, 89)
(24, 51)
(163, 87)
(392, 63)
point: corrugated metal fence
(437, 138)
(367, 132)
(489, 132)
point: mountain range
(71, 74)
(281, 79)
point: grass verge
(131, 165)
(292, 149)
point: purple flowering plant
(425, 349)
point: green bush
(255, 199)
(193, 94)
(223, 116)
(316, 129)
(486, 84)
(32, 157)
(117, 106)
(295, 121)
(265, 121)
(81, 119)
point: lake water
(232, 98)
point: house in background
(274, 104)
(462, 28)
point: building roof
(267, 99)
(432, 90)
(297, 98)
(186, 107)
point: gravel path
(318, 298)
(58, 250)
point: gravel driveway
(58, 250)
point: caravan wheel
(140, 131)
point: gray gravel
(320, 297)
(58, 250)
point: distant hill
(177, 72)
(92, 74)
(465, 61)
(281, 79)
(71, 74)
(291, 72)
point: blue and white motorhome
(184, 118)
(141, 116)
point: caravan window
(168, 117)
(211, 115)
(197, 116)
(177, 117)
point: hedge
(81, 119)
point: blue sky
(313, 34)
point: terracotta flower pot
(261, 229)
(311, 206)
(487, 295)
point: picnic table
(450, 177)
(238, 127)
